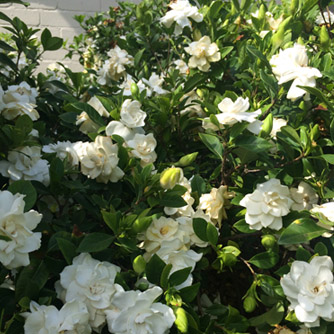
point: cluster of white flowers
(292, 64)
(89, 281)
(180, 11)
(310, 289)
(203, 52)
(86, 124)
(72, 318)
(18, 100)
(26, 163)
(17, 226)
(129, 127)
(114, 67)
(232, 113)
(137, 312)
(92, 300)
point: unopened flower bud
(268, 241)
(187, 159)
(170, 177)
(197, 35)
(139, 264)
(134, 89)
(325, 41)
(249, 304)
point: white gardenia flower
(17, 225)
(72, 318)
(136, 312)
(194, 109)
(267, 205)
(85, 122)
(324, 211)
(131, 114)
(182, 66)
(64, 150)
(98, 160)
(91, 282)
(278, 123)
(154, 83)
(292, 64)
(179, 12)
(203, 52)
(126, 86)
(160, 230)
(119, 129)
(25, 163)
(114, 67)
(19, 100)
(143, 147)
(304, 197)
(213, 203)
(327, 15)
(309, 287)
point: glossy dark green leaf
(213, 144)
(265, 260)
(50, 43)
(199, 226)
(25, 188)
(67, 248)
(154, 268)
(178, 277)
(95, 242)
(189, 293)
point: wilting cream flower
(143, 147)
(131, 114)
(324, 211)
(215, 202)
(18, 100)
(137, 312)
(72, 318)
(64, 150)
(310, 290)
(182, 66)
(304, 197)
(25, 163)
(17, 226)
(114, 67)
(99, 160)
(267, 205)
(202, 52)
(179, 12)
(89, 281)
(292, 64)
(85, 122)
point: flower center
(164, 230)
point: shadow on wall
(57, 16)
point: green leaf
(272, 317)
(265, 260)
(321, 248)
(213, 144)
(172, 200)
(164, 276)
(178, 277)
(67, 248)
(154, 268)
(5, 17)
(329, 158)
(25, 188)
(318, 93)
(211, 234)
(56, 170)
(92, 113)
(138, 57)
(253, 144)
(258, 55)
(95, 242)
(243, 227)
(270, 83)
(225, 51)
(5, 46)
(4, 59)
(24, 3)
(69, 117)
(198, 184)
(189, 293)
(141, 224)
(50, 43)
(194, 81)
(302, 254)
(199, 226)
(300, 231)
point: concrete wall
(57, 16)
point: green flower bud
(134, 89)
(262, 14)
(325, 41)
(293, 6)
(170, 177)
(139, 264)
(268, 241)
(187, 159)
(267, 126)
(249, 304)
(197, 35)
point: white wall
(57, 16)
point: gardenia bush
(182, 182)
